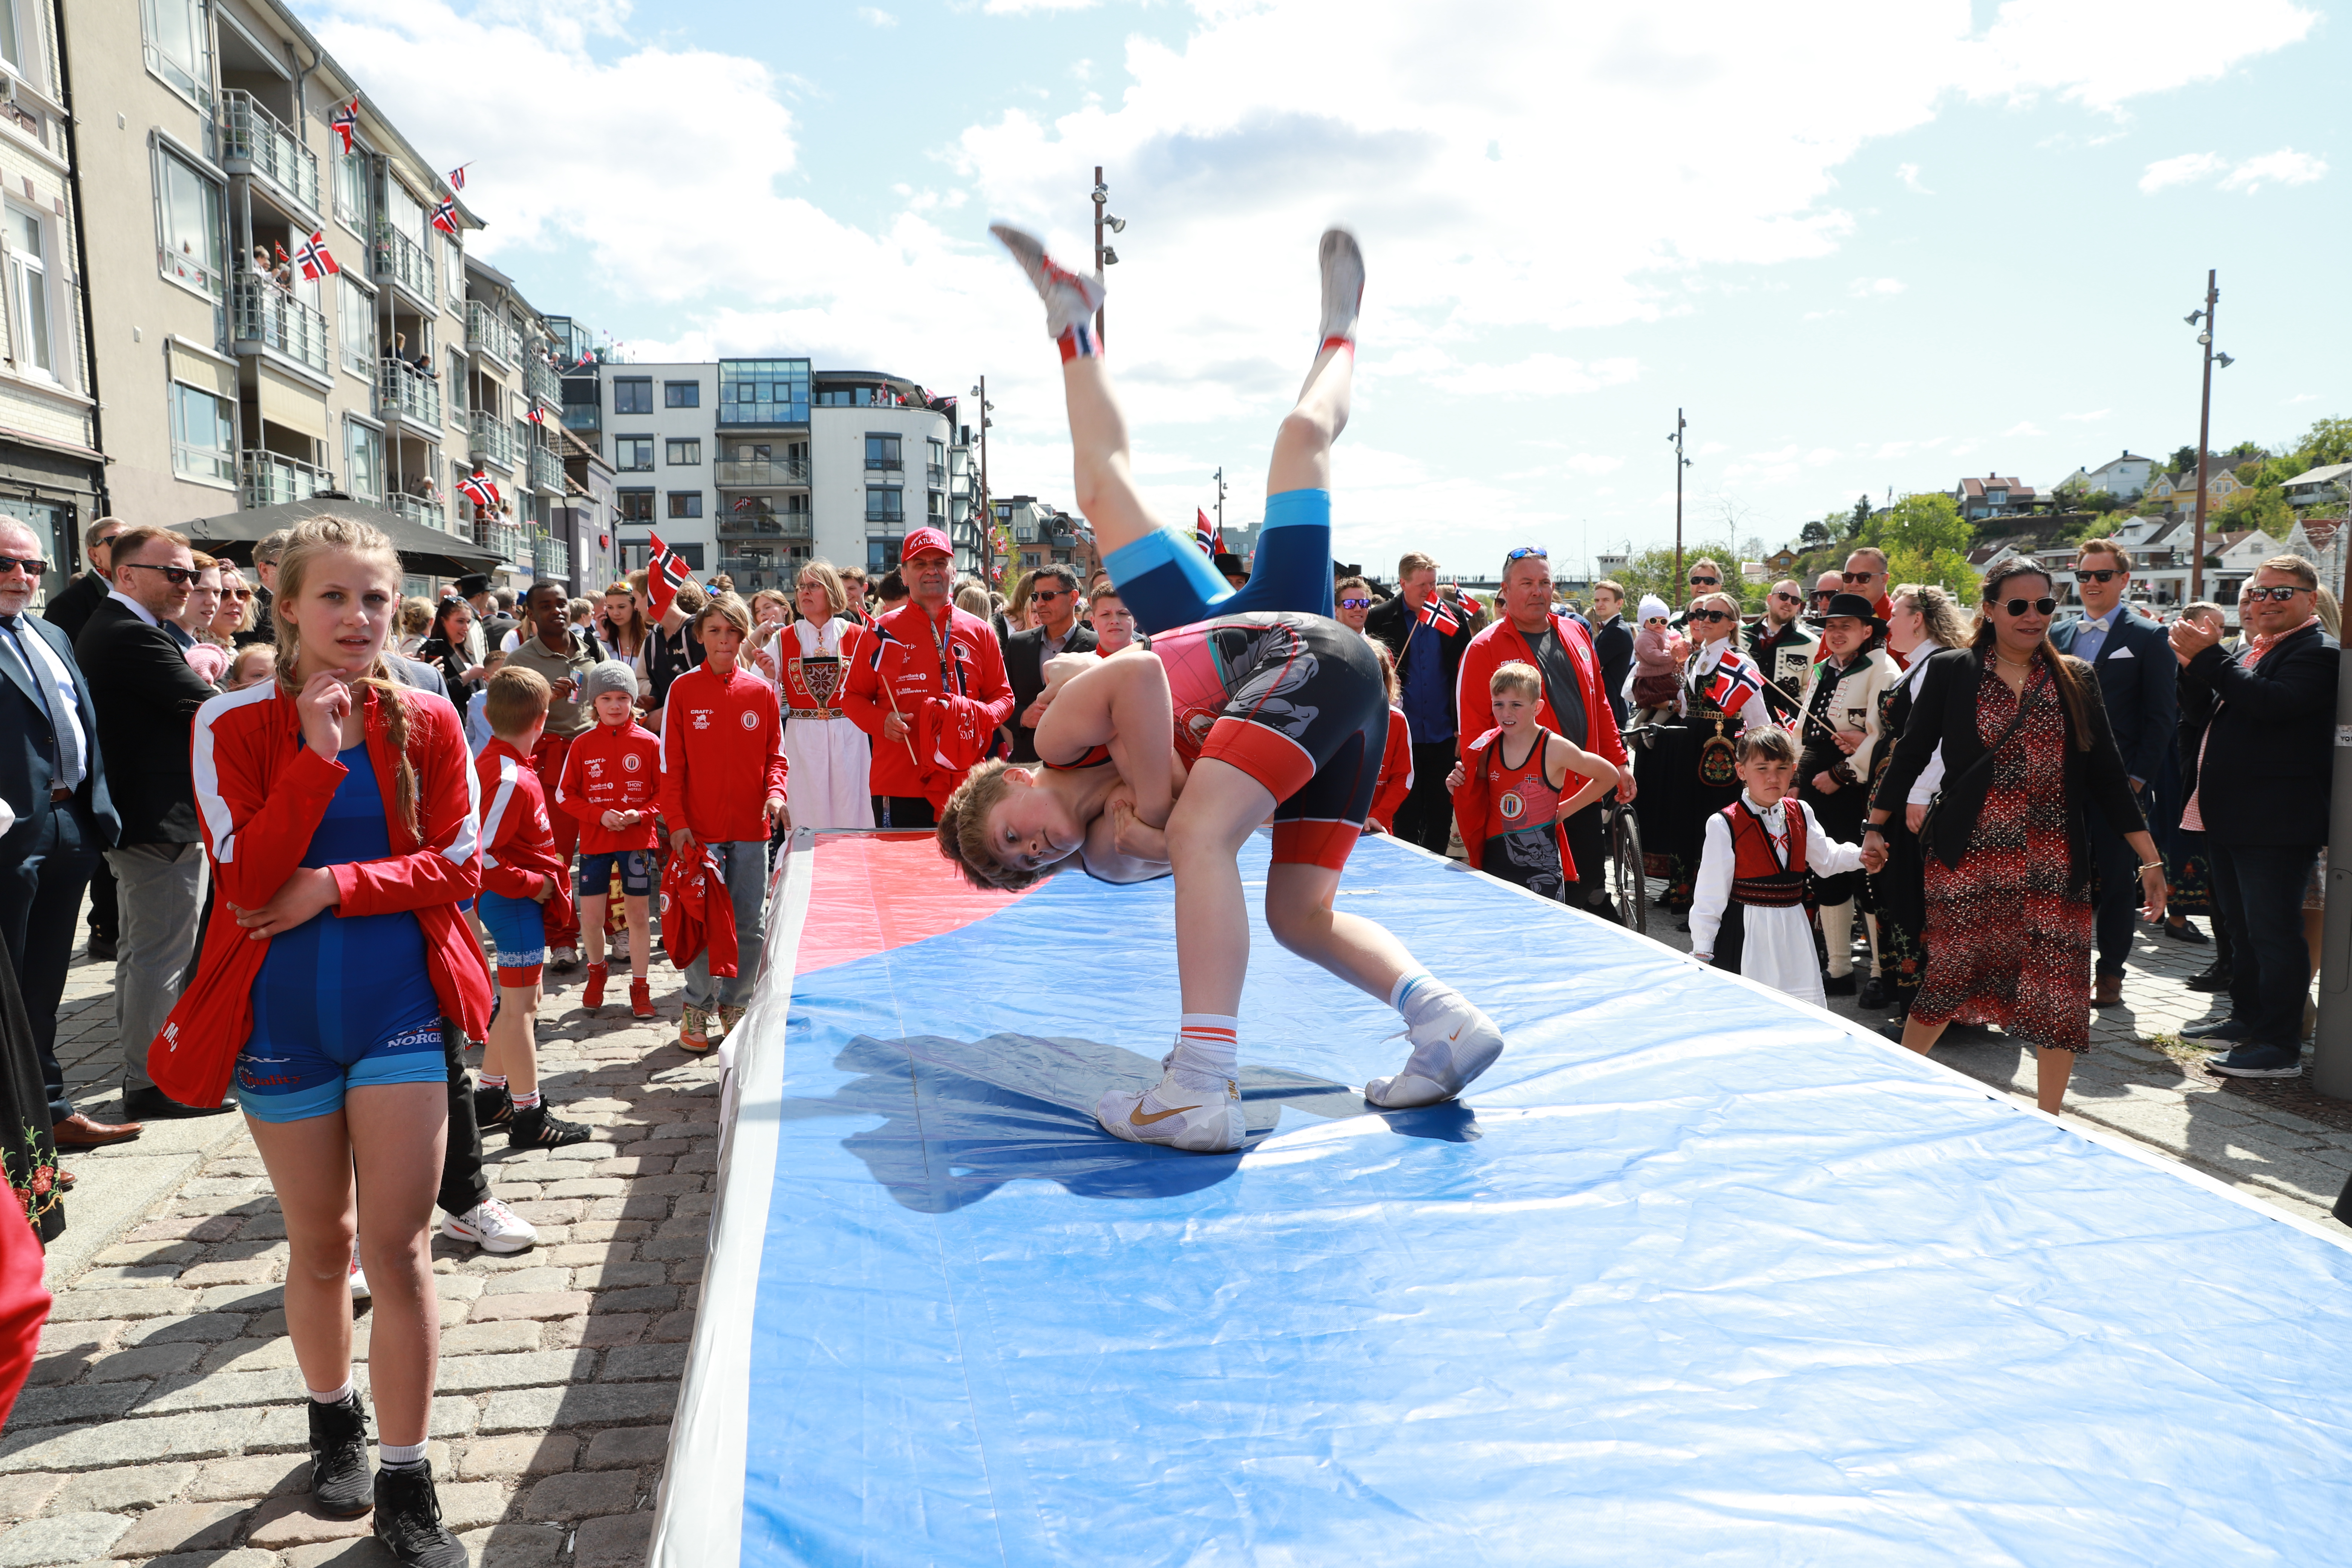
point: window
(881, 555)
(454, 250)
(203, 435)
(175, 45)
(682, 454)
(764, 392)
(188, 207)
(681, 394)
(632, 395)
(686, 503)
(28, 285)
(363, 459)
(10, 49)
(885, 506)
(939, 509)
(633, 454)
(355, 325)
(881, 451)
(636, 506)
(352, 192)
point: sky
(1865, 248)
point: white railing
(488, 332)
(404, 390)
(272, 317)
(539, 380)
(546, 471)
(417, 509)
(491, 438)
(268, 479)
(506, 538)
(550, 557)
(252, 136)
(403, 260)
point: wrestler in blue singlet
(1166, 581)
(342, 1001)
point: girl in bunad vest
(830, 756)
(1747, 912)
(1510, 796)
(339, 810)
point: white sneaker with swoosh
(1197, 1121)
(1452, 1043)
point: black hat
(1229, 566)
(1854, 604)
(476, 583)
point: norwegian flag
(1735, 683)
(1437, 618)
(457, 177)
(345, 120)
(312, 258)
(445, 217)
(480, 489)
(882, 639)
(1205, 534)
(587, 357)
(538, 414)
(665, 573)
(282, 257)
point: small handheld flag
(344, 122)
(665, 573)
(445, 217)
(538, 414)
(587, 357)
(313, 259)
(1437, 618)
(882, 638)
(280, 248)
(1204, 533)
(481, 491)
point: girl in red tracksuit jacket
(610, 780)
(340, 813)
(722, 784)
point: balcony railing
(935, 472)
(408, 392)
(417, 509)
(506, 538)
(550, 557)
(546, 471)
(787, 525)
(266, 478)
(255, 141)
(539, 380)
(490, 438)
(269, 317)
(761, 476)
(403, 261)
(488, 332)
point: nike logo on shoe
(1136, 1117)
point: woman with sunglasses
(1689, 776)
(2027, 752)
(1840, 738)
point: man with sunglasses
(1866, 574)
(1352, 602)
(1783, 650)
(147, 697)
(1703, 576)
(1055, 593)
(1428, 655)
(2260, 729)
(2138, 677)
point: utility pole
(1681, 463)
(2204, 431)
(1220, 478)
(1102, 199)
(987, 505)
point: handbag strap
(2024, 701)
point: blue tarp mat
(1694, 1274)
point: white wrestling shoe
(1343, 284)
(1070, 299)
(1198, 1121)
(1452, 1043)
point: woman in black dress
(444, 649)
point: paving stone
(146, 1361)
(74, 1402)
(533, 1305)
(597, 1404)
(688, 1272)
(476, 1374)
(627, 1209)
(241, 1298)
(122, 1488)
(181, 1252)
(617, 1329)
(635, 1363)
(286, 1521)
(615, 1540)
(589, 1254)
(627, 1447)
(196, 1434)
(247, 1271)
(515, 1545)
(262, 1476)
(22, 1496)
(136, 1275)
(644, 1298)
(202, 1327)
(58, 1338)
(255, 1355)
(677, 1247)
(586, 1187)
(60, 1538)
(182, 1527)
(82, 1306)
(632, 1165)
(365, 1553)
(611, 1230)
(206, 1227)
(517, 1454)
(582, 1495)
(620, 1276)
(247, 1558)
(674, 1326)
(215, 1390)
(526, 1282)
(565, 1212)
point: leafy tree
(1816, 536)
(2184, 458)
(1651, 571)
(2244, 452)
(2327, 441)
(1861, 519)
(1925, 541)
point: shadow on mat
(966, 1116)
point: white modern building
(2125, 477)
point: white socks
(1343, 288)
(1070, 299)
(1413, 994)
(1837, 938)
(400, 1455)
(1207, 1051)
(335, 1396)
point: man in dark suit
(1779, 643)
(2136, 679)
(147, 699)
(1612, 639)
(54, 785)
(1428, 661)
(68, 610)
(1055, 592)
(2261, 726)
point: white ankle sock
(526, 1101)
(335, 1398)
(494, 1080)
(1418, 985)
(400, 1455)
(1208, 1049)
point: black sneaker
(339, 1457)
(1837, 986)
(1874, 992)
(408, 1520)
(2186, 933)
(2213, 977)
(2224, 1030)
(534, 1127)
(493, 1106)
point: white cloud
(2167, 172)
(2093, 417)
(1537, 375)
(2025, 428)
(875, 16)
(2302, 397)
(2285, 167)
(1591, 463)
(1868, 288)
(1909, 175)
(1023, 8)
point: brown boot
(2107, 991)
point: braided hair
(312, 541)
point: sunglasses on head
(2282, 592)
(2102, 574)
(2040, 607)
(33, 565)
(1355, 604)
(1705, 582)
(1711, 615)
(1525, 551)
(175, 575)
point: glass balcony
(404, 390)
(550, 557)
(266, 478)
(490, 438)
(761, 476)
(505, 538)
(753, 523)
(256, 141)
(488, 332)
(269, 316)
(417, 510)
(546, 471)
(936, 473)
(585, 418)
(401, 260)
(539, 380)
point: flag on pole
(882, 638)
(587, 358)
(445, 217)
(282, 258)
(480, 489)
(1204, 533)
(1437, 618)
(1734, 683)
(665, 573)
(538, 414)
(345, 120)
(312, 258)
(457, 177)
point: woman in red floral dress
(2027, 751)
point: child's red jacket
(517, 842)
(611, 770)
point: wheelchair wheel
(1628, 884)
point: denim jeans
(2271, 962)
(746, 866)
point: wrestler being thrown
(1248, 705)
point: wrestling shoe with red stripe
(1070, 301)
(1452, 1043)
(1343, 285)
(1204, 1120)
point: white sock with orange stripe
(1208, 1050)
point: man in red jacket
(929, 652)
(1573, 702)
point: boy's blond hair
(1517, 676)
(517, 700)
(1768, 740)
(963, 833)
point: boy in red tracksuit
(522, 885)
(610, 781)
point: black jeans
(2118, 911)
(40, 888)
(2270, 963)
(1425, 815)
(462, 1186)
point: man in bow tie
(2136, 676)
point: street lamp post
(1220, 477)
(987, 507)
(1105, 255)
(1681, 463)
(2204, 431)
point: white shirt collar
(141, 611)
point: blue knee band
(1167, 582)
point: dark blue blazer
(2139, 678)
(26, 778)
